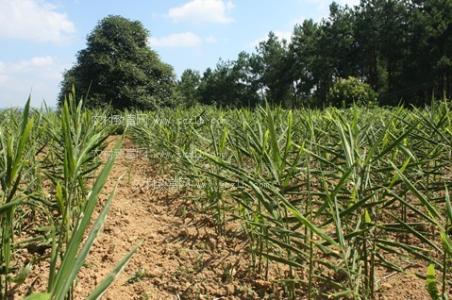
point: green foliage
(13, 154)
(399, 48)
(230, 84)
(62, 150)
(351, 91)
(334, 197)
(303, 58)
(188, 88)
(431, 283)
(40, 296)
(272, 63)
(118, 69)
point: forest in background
(402, 49)
(389, 52)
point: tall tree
(401, 48)
(367, 28)
(336, 50)
(230, 84)
(188, 87)
(321, 53)
(119, 69)
(273, 62)
(428, 60)
(304, 57)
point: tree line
(389, 51)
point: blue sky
(39, 39)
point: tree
(335, 51)
(230, 84)
(427, 63)
(404, 48)
(400, 48)
(272, 61)
(119, 69)
(303, 57)
(188, 87)
(367, 28)
(319, 53)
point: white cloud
(34, 62)
(34, 20)
(39, 76)
(180, 40)
(203, 11)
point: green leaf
(367, 218)
(40, 296)
(22, 274)
(431, 282)
(71, 264)
(446, 242)
(424, 200)
(6, 207)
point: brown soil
(181, 256)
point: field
(207, 203)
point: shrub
(349, 91)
